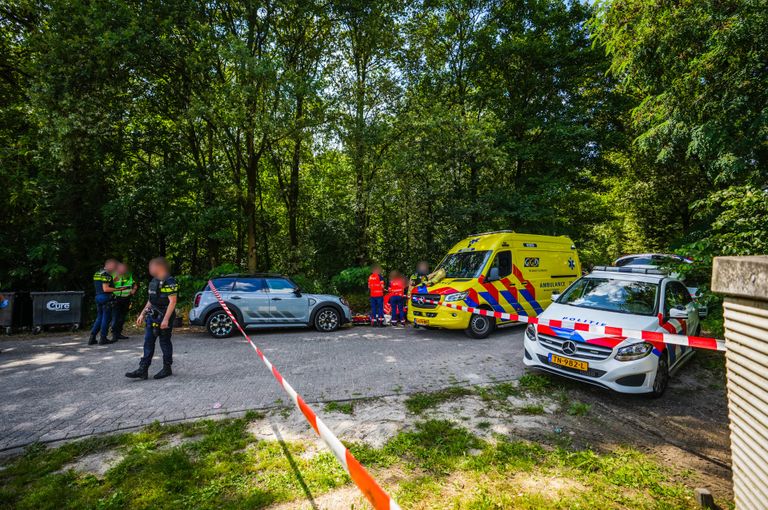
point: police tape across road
(698, 342)
(364, 481)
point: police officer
(158, 315)
(125, 287)
(103, 286)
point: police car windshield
(621, 296)
(467, 264)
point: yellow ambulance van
(502, 271)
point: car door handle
(277, 299)
(235, 297)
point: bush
(353, 280)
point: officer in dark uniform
(158, 315)
(103, 287)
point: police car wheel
(661, 380)
(219, 324)
(327, 320)
(480, 326)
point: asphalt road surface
(56, 387)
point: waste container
(56, 309)
(15, 315)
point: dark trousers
(103, 315)
(151, 334)
(377, 308)
(398, 308)
(119, 313)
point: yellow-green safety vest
(126, 281)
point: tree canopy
(308, 137)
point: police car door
(677, 296)
(286, 305)
(251, 297)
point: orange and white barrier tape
(364, 481)
(698, 342)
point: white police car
(626, 297)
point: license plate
(422, 322)
(569, 363)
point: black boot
(92, 339)
(104, 341)
(122, 337)
(165, 372)
(140, 373)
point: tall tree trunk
(293, 186)
(361, 198)
(252, 176)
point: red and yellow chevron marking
(364, 481)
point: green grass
(225, 467)
(535, 383)
(340, 407)
(420, 402)
(438, 464)
(579, 409)
(532, 409)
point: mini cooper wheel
(327, 319)
(661, 381)
(480, 326)
(219, 325)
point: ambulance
(502, 271)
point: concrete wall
(744, 283)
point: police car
(626, 297)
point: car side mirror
(678, 313)
(297, 291)
(493, 275)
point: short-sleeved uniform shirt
(376, 285)
(161, 290)
(101, 277)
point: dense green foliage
(308, 137)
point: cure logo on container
(55, 306)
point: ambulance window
(503, 262)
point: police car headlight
(456, 296)
(634, 351)
(530, 332)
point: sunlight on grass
(438, 464)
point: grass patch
(419, 402)
(438, 464)
(531, 409)
(498, 392)
(579, 409)
(224, 468)
(340, 407)
(535, 383)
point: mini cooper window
(612, 295)
(280, 285)
(467, 264)
(250, 285)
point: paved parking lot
(56, 387)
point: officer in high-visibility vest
(125, 287)
(103, 287)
